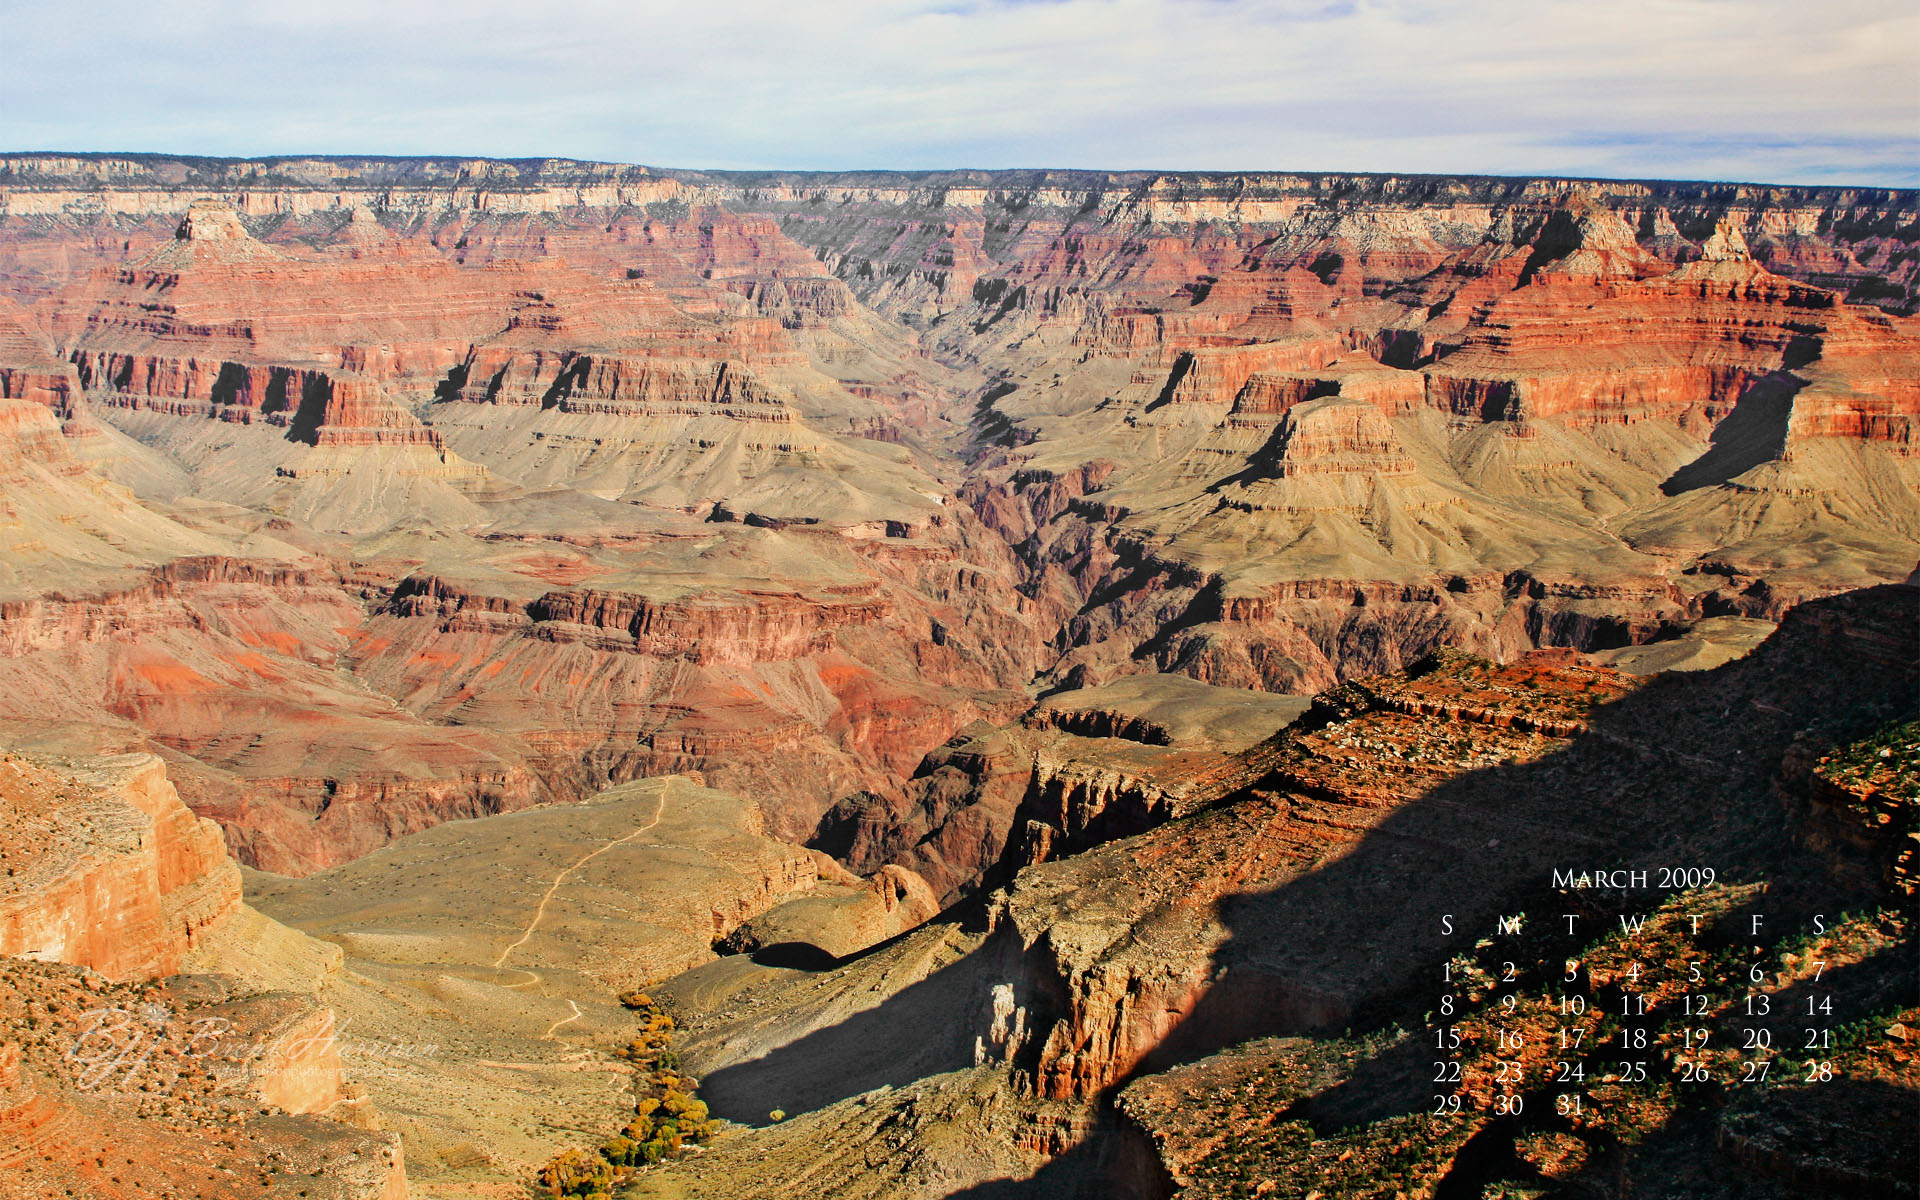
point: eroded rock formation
(107, 869)
(120, 1076)
(787, 479)
(1249, 978)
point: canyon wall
(599, 471)
(1247, 955)
(108, 869)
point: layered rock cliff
(1253, 980)
(1403, 770)
(107, 869)
(118, 1074)
(788, 477)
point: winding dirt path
(548, 1035)
(660, 809)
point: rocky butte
(994, 667)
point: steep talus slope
(70, 528)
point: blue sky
(1770, 90)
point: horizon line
(956, 170)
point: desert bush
(620, 1151)
(575, 1173)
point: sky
(1778, 91)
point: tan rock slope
(506, 943)
(464, 1003)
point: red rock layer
(1214, 376)
(800, 696)
(30, 437)
(234, 665)
(736, 627)
(108, 871)
(218, 324)
(625, 384)
(29, 369)
(1339, 436)
(1591, 352)
(107, 868)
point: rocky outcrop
(839, 920)
(107, 869)
(315, 407)
(1210, 376)
(31, 438)
(217, 324)
(1339, 436)
(1682, 346)
(948, 823)
(632, 386)
(109, 877)
(736, 629)
(1079, 802)
(1398, 770)
(1082, 767)
(803, 693)
(29, 369)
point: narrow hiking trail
(541, 911)
(548, 1035)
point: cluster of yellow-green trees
(666, 1120)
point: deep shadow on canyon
(1691, 770)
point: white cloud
(1777, 90)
